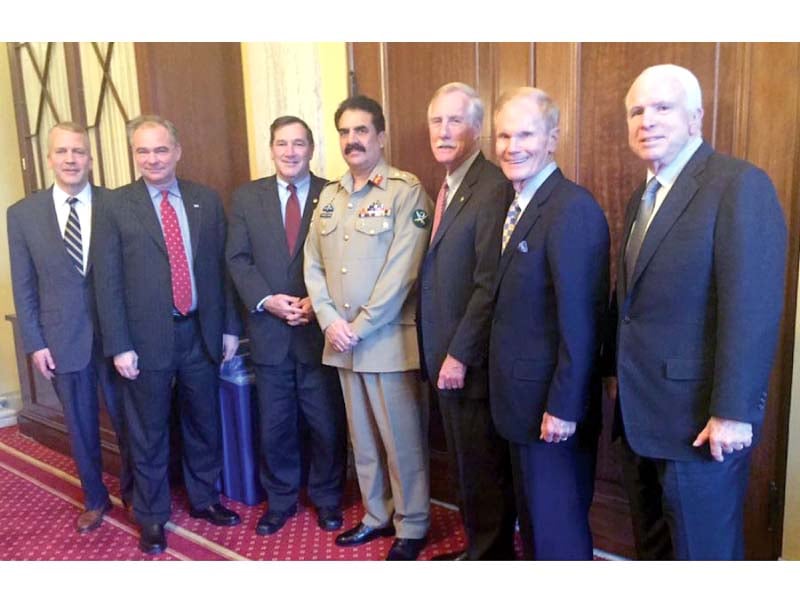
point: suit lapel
(142, 206)
(532, 213)
(678, 198)
(47, 215)
(459, 200)
(271, 204)
(314, 190)
(194, 213)
(97, 199)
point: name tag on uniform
(326, 212)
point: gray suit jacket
(135, 298)
(55, 304)
(260, 265)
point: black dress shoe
(152, 539)
(406, 549)
(329, 518)
(361, 534)
(272, 520)
(457, 555)
(216, 514)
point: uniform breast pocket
(373, 236)
(327, 240)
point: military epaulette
(409, 178)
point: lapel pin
(523, 246)
(461, 199)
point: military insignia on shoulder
(420, 218)
(409, 178)
(326, 212)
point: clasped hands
(292, 309)
(340, 336)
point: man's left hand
(451, 375)
(230, 343)
(556, 430)
(306, 315)
(725, 436)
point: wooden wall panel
(752, 109)
(199, 87)
(417, 71)
(558, 73)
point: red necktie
(441, 199)
(178, 265)
(292, 218)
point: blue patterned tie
(646, 206)
(72, 236)
(511, 221)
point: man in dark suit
(551, 293)
(700, 294)
(168, 319)
(267, 230)
(51, 243)
(456, 285)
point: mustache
(354, 146)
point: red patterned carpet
(41, 497)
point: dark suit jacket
(551, 293)
(135, 295)
(456, 281)
(698, 329)
(260, 265)
(55, 304)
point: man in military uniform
(362, 257)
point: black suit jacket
(55, 304)
(698, 329)
(456, 281)
(135, 295)
(551, 295)
(260, 265)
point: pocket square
(523, 246)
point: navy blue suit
(293, 385)
(56, 309)
(696, 334)
(551, 292)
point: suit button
(344, 270)
(626, 319)
(346, 237)
(346, 306)
(349, 205)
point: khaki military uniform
(362, 257)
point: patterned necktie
(643, 215)
(441, 199)
(72, 236)
(178, 265)
(511, 221)
(292, 224)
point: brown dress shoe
(91, 519)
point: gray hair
(547, 106)
(693, 96)
(150, 121)
(474, 103)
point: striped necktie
(72, 236)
